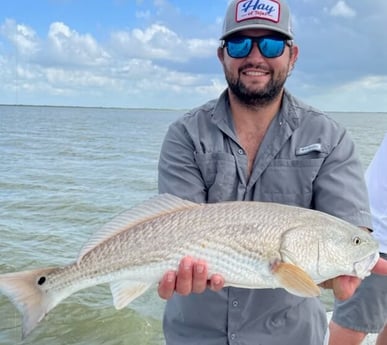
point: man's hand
(344, 286)
(380, 267)
(191, 277)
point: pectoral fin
(125, 292)
(295, 280)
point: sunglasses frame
(257, 40)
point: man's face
(254, 79)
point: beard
(256, 98)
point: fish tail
(26, 291)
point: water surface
(64, 172)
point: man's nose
(255, 52)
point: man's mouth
(255, 73)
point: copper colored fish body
(252, 245)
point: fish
(252, 244)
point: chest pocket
(219, 172)
(290, 181)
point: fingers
(216, 282)
(380, 267)
(328, 284)
(200, 278)
(344, 286)
(191, 277)
(184, 279)
(167, 285)
(200, 274)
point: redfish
(253, 245)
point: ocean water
(64, 172)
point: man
(256, 142)
(366, 311)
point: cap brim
(256, 26)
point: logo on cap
(258, 9)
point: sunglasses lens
(271, 47)
(240, 47)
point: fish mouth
(363, 267)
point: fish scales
(161, 237)
(251, 244)
(224, 229)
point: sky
(162, 53)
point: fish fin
(152, 208)
(28, 296)
(126, 291)
(295, 280)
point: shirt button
(235, 303)
(241, 152)
(232, 336)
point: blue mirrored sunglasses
(269, 46)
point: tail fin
(26, 291)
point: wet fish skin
(252, 244)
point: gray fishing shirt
(305, 159)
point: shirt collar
(287, 114)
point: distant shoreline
(160, 109)
(89, 107)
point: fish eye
(41, 280)
(356, 240)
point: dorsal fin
(152, 208)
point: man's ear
(295, 51)
(220, 53)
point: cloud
(125, 70)
(367, 83)
(364, 94)
(62, 46)
(68, 47)
(161, 59)
(335, 52)
(22, 37)
(341, 9)
(158, 42)
(143, 14)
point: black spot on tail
(41, 280)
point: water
(63, 173)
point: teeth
(255, 73)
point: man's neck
(251, 124)
(249, 116)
